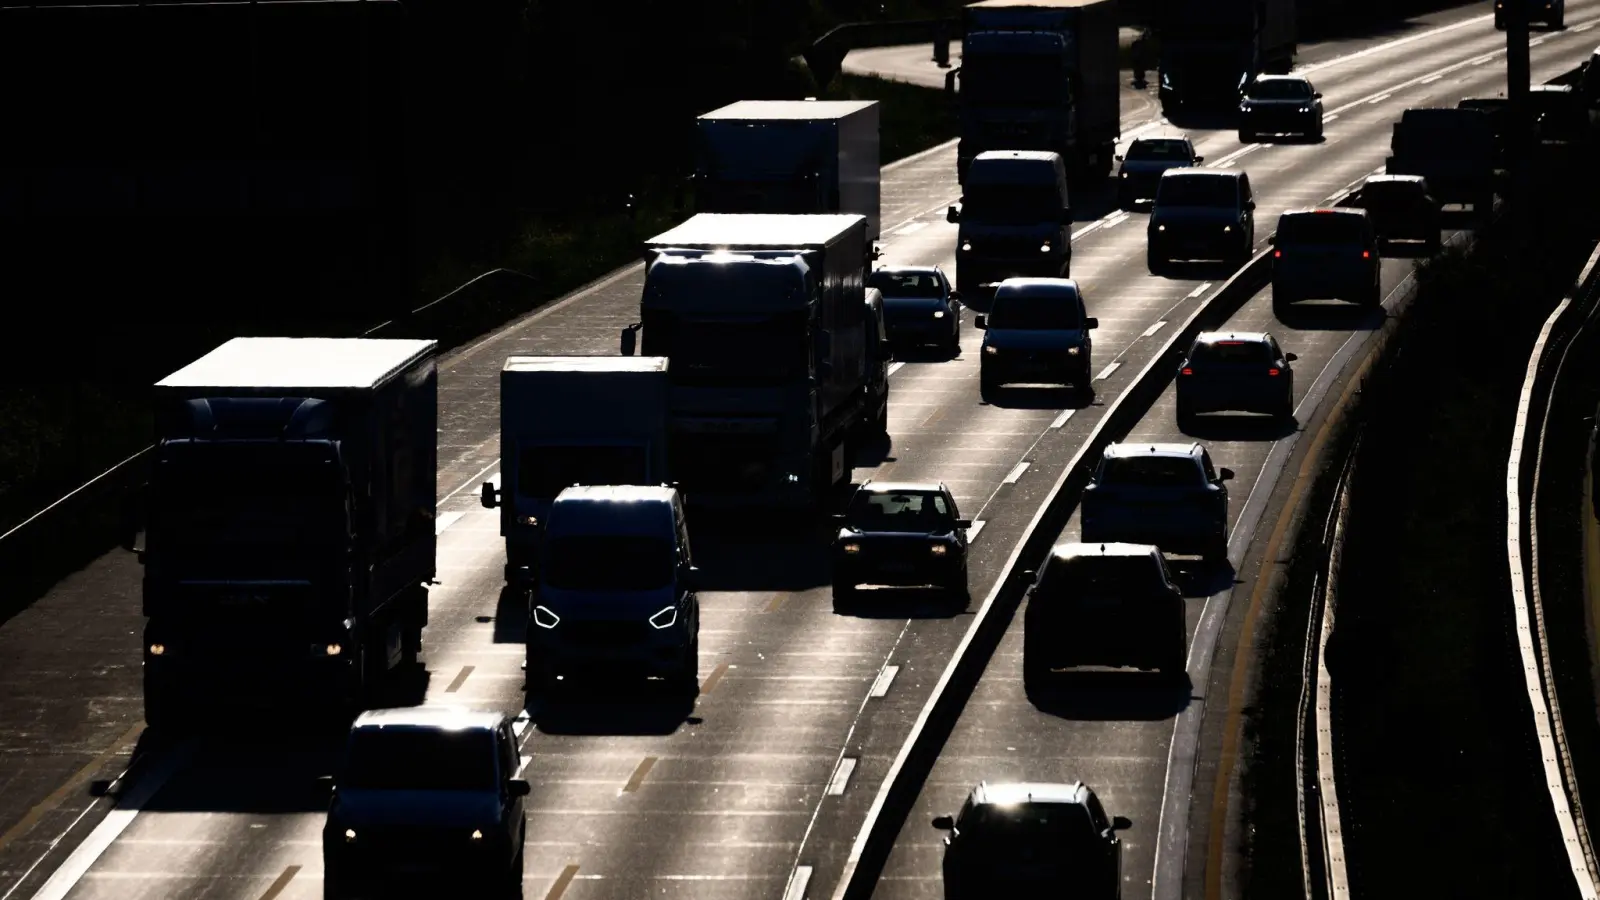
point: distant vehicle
(1169, 495)
(1280, 104)
(1103, 605)
(1228, 370)
(1325, 254)
(1037, 330)
(618, 592)
(1022, 839)
(1496, 109)
(900, 535)
(428, 792)
(1559, 113)
(1211, 50)
(1201, 214)
(1550, 13)
(1455, 149)
(1039, 75)
(568, 420)
(790, 156)
(919, 306)
(1146, 159)
(1016, 220)
(1401, 210)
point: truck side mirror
(953, 214)
(1199, 159)
(491, 495)
(630, 341)
(981, 322)
(1091, 322)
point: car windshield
(1115, 576)
(1034, 312)
(1164, 151)
(914, 511)
(1230, 353)
(1196, 190)
(906, 284)
(608, 563)
(420, 759)
(1028, 830)
(1150, 471)
(1316, 228)
(1279, 89)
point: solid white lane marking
(1154, 328)
(1430, 79)
(1016, 472)
(885, 678)
(895, 367)
(445, 520)
(1205, 286)
(841, 776)
(972, 533)
(1378, 99)
(1106, 372)
(796, 890)
(1062, 419)
(913, 228)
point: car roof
(907, 270)
(1202, 172)
(1323, 211)
(1131, 450)
(1071, 551)
(904, 487)
(1299, 79)
(1249, 337)
(1035, 155)
(441, 718)
(1006, 793)
(1396, 179)
(618, 493)
(1162, 139)
(1065, 288)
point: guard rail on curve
(1576, 312)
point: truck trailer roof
(789, 109)
(327, 363)
(1041, 4)
(713, 230)
(585, 364)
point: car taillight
(1365, 254)
(1277, 254)
(1188, 371)
(1272, 371)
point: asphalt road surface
(763, 784)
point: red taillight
(1366, 254)
(1188, 371)
(1276, 254)
(1272, 371)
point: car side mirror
(1118, 157)
(1121, 823)
(491, 495)
(1199, 159)
(963, 523)
(944, 823)
(953, 214)
(1091, 322)
(1290, 357)
(837, 518)
(1225, 475)
(1250, 205)
(1028, 575)
(981, 322)
(1317, 95)
(517, 787)
(956, 296)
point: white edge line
(444, 521)
(799, 880)
(1062, 419)
(977, 526)
(1328, 792)
(880, 688)
(1430, 79)
(1106, 372)
(841, 776)
(1199, 291)
(1329, 118)
(1160, 324)
(1398, 42)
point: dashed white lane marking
(885, 678)
(798, 881)
(895, 367)
(972, 533)
(1430, 79)
(913, 228)
(445, 520)
(1016, 472)
(1537, 41)
(1478, 61)
(1062, 419)
(1378, 99)
(1076, 235)
(1106, 372)
(1242, 151)
(1584, 27)
(1118, 220)
(1154, 328)
(841, 777)
(1205, 286)
(1327, 119)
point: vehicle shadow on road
(261, 771)
(1099, 695)
(1093, 200)
(1331, 315)
(1197, 271)
(922, 354)
(1197, 579)
(1204, 120)
(511, 616)
(905, 603)
(1059, 397)
(759, 553)
(605, 707)
(873, 453)
(1227, 427)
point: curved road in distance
(734, 801)
(1111, 732)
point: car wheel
(1217, 550)
(538, 680)
(844, 596)
(1156, 263)
(1559, 23)
(687, 679)
(988, 387)
(1186, 420)
(1176, 664)
(513, 886)
(1286, 407)
(1316, 133)
(880, 425)
(1246, 137)
(1374, 297)
(952, 344)
(334, 888)
(1035, 671)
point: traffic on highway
(890, 532)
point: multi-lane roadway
(758, 791)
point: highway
(764, 783)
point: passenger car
(919, 308)
(900, 535)
(1036, 331)
(1243, 371)
(1022, 839)
(1280, 104)
(1551, 13)
(428, 792)
(1201, 214)
(1327, 254)
(1141, 167)
(1103, 605)
(1401, 209)
(1169, 495)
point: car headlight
(991, 349)
(532, 521)
(1161, 228)
(1305, 109)
(666, 618)
(938, 549)
(349, 835)
(851, 548)
(157, 649)
(1072, 351)
(938, 314)
(333, 649)
(477, 834)
(1124, 175)
(544, 617)
(1044, 247)
(1227, 228)
(966, 246)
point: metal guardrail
(1576, 312)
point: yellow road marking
(710, 684)
(562, 880)
(32, 817)
(282, 882)
(777, 602)
(639, 774)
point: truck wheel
(880, 427)
(334, 888)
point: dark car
(1103, 605)
(1141, 167)
(1201, 214)
(1037, 331)
(1032, 839)
(900, 535)
(1280, 104)
(1559, 113)
(1497, 110)
(1164, 494)
(919, 308)
(1401, 209)
(427, 793)
(1325, 254)
(1246, 372)
(1550, 13)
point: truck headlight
(1044, 247)
(938, 314)
(477, 834)
(938, 549)
(666, 618)
(990, 349)
(157, 649)
(851, 548)
(333, 649)
(532, 521)
(966, 246)
(349, 835)
(1161, 228)
(1072, 351)
(1227, 228)
(544, 617)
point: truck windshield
(543, 472)
(608, 563)
(1012, 204)
(1203, 191)
(285, 506)
(774, 347)
(1014, 80)
(420, 759)
(1022, 311)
